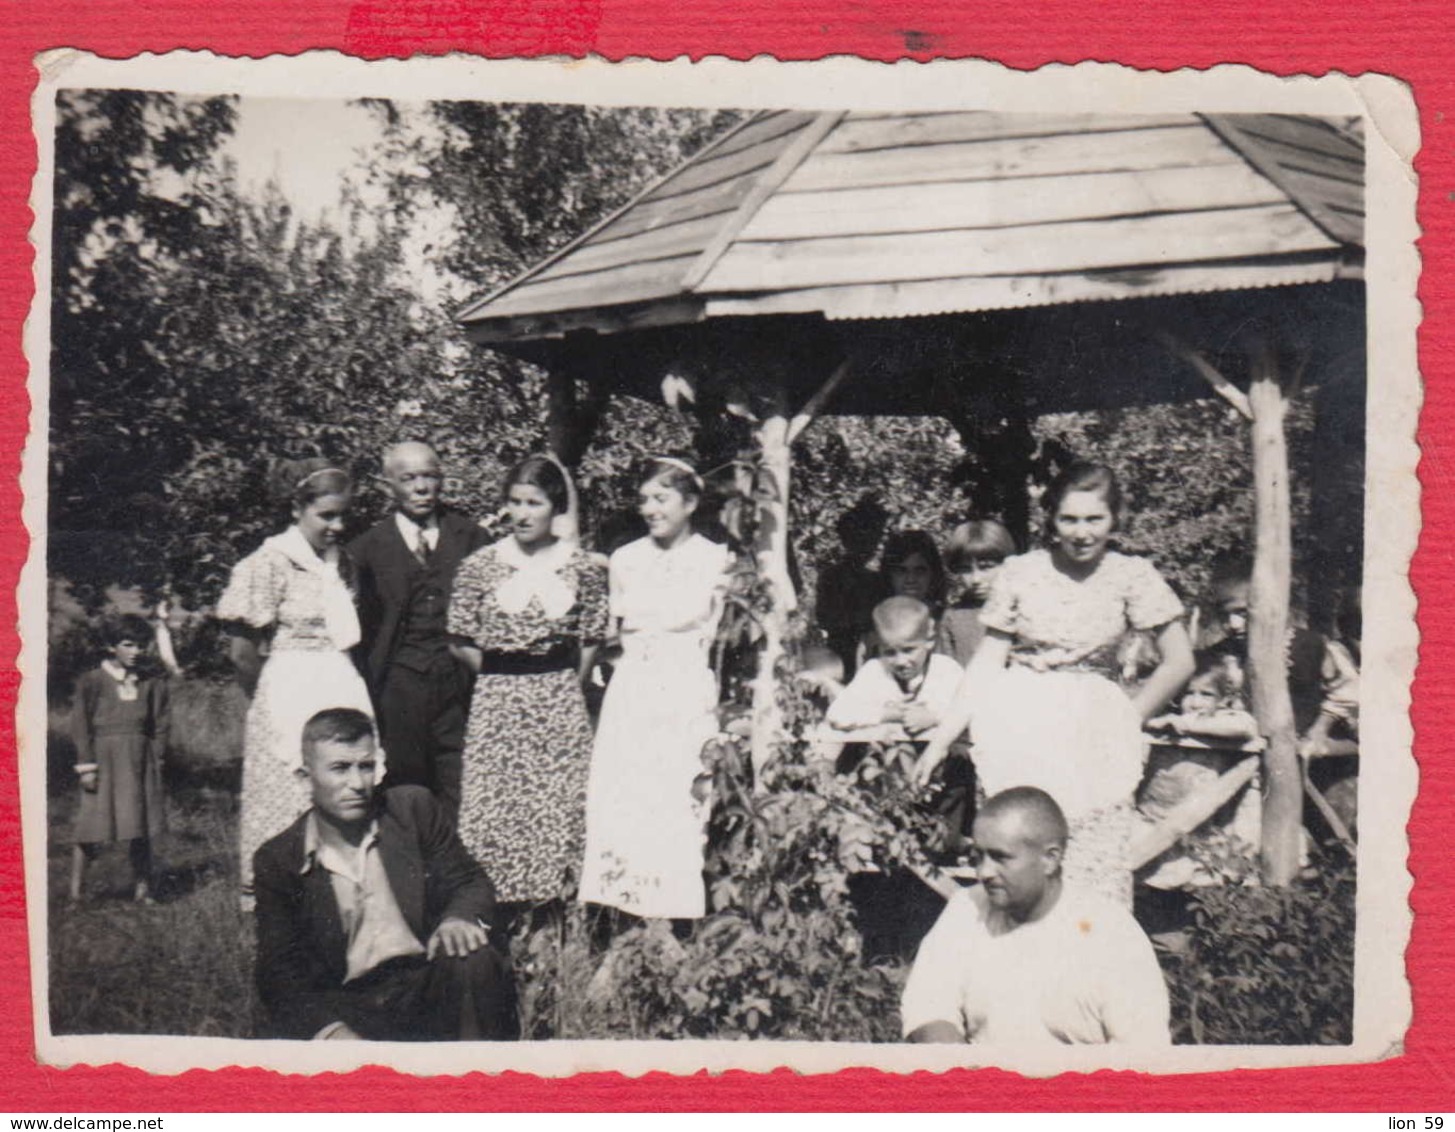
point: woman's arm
(468, 653)
(1175, 669)
(990, 658)
(245, 651)
(588, 662)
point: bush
(780, 953)
(1270, 966)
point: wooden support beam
(772, 554)
(814, 405)
(1327, 812)
(1191, 812)
(1208, 372)
(1268, 621)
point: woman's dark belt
(527, 664)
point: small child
(974, 555)
(1211, 706)
(119, 725)
(907, 688)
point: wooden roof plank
(993, 204)
(473, 309)
(1303, 133)
(633, 282)
(910, 129)
(767, 126)
(1152, 148)
(687, 238)
(946, 296)
(1311, 161)
(650, 214)
(1309, 193)
(716, 169)
(763, 187)
(1164, 239)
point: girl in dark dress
(119, 724)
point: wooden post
(772, 551)
(561, 411)
(570, 423)
(1266, 406)
(1268, 602)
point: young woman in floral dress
(1041, 696)
(526, 615)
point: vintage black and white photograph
(684, 566)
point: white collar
(315, 849)
(298, 550)
(535, 576)
(412, 532)
(117, 673)
(339, 615)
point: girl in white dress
(644, 830)
(290, 613)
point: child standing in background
(973, 556)
(119, 723)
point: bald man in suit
(407, 566)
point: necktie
(421, 549)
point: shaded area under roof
(868, 215)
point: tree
(134, 192)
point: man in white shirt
(1021, 960)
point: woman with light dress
(1041, 696)
(644, 830)
(290, 614)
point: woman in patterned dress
(1040, 695)
(290, 613)
(644, 829)
(526, 615)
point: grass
(181, 966)
(184, 965)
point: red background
(1410, 40)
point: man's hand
(343, 1033)
(457, 939)
(90, 780)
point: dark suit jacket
(302, 950)
(385, 566)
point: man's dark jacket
(302, 949)
(386, 567)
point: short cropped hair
(125, 627)
(902, 613)
(979, 538)
(336, 725)
(1038, 808)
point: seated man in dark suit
(372, 919)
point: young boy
(904, 691)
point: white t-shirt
(861, 704)
(1084, 973)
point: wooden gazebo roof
(873, 215)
